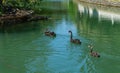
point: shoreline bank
(102, 2)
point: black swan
(50, 33)
(77, 41)
(93, 53)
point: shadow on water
(23, 27)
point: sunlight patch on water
(63, 27)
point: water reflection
(95, 17)
(101, 13)
(101, 27)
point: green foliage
(1, 11)
(29, 4)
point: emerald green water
(25, 49)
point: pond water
(25, 49)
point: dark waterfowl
(49, 33)
(77, 41)
(93, 53)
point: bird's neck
(91, 50)
(71, 36)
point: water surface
(25, 49)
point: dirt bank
(21, 16)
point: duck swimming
(77, 41)
(50, 33)
(93, 53)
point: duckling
(93, 53)
(77, 41)
(50, 33)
